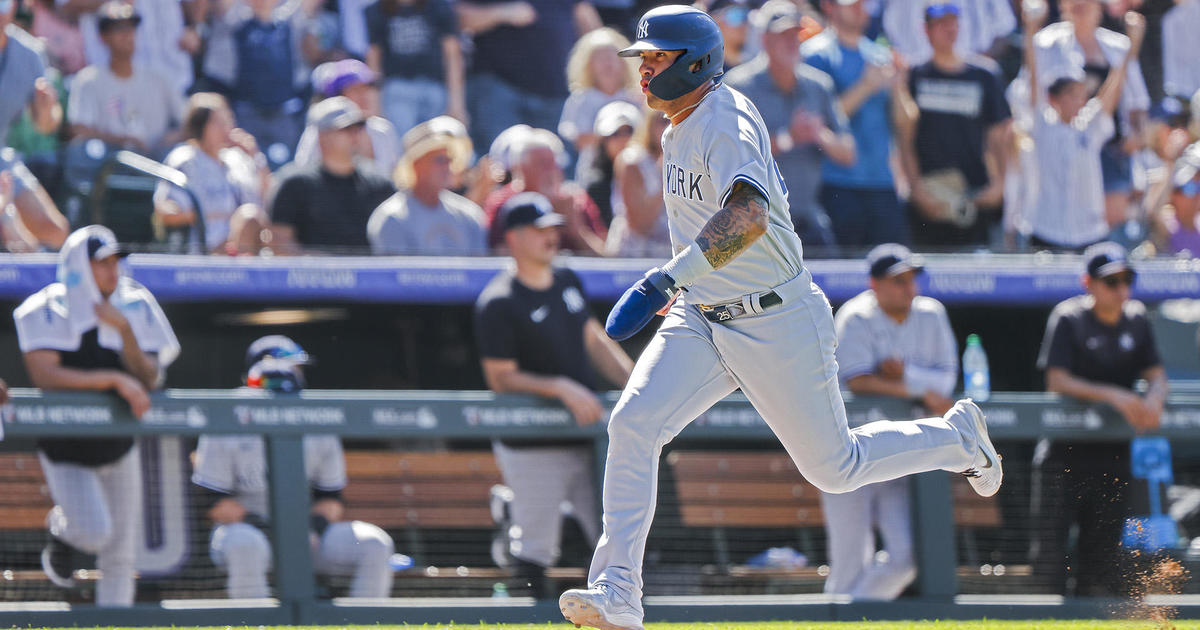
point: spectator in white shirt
(122, 102)
(1181, 48)
(1079, 42)
(1068, 136)
(163, 43)
(982, 27)
(227, 174)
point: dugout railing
(447, 416)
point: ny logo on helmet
(643, 28)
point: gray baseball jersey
(237, 465)
(924, 341)
(867, 336)
(782, 358)
(722, 142)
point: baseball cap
(276, 347)
(502, 147)
(333, 77)
(779, 16)
(1105, 259)
(333, 114)
(736, 17)
(892, 259)
(615, 115)
(115, 12)
(101, 246)
(940, 9)
(529, 208)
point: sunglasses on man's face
(1117, 280)
(1190, 189)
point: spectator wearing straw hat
(352, 79)
(425, 217)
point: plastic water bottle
(500, 591)
(976, 381)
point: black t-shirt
(410, 36)
(957, 109)
(542, 330)
(531, 58)
(1079, 343)
(91, 452)
(329, 211)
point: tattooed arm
(735, 226)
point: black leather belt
(733, 310)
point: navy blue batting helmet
(277, 347)
(277, 375)
(680, 27)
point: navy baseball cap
(529, 208)
(276, 347)
(892, 259)
(101, 246)
(1105, 259)
(939, 10)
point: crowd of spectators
(954, 125)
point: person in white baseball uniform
(891, 342)
(95, 329)
(1069, 132)
(231, 470)
(748, 316)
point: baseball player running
(233, 472)
(748, 316)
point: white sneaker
(985, 473)
(599, 607)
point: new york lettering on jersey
(682, 182)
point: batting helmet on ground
(679, 27)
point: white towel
(56, 317)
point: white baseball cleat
(599, 607)
(985, 473)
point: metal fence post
(294, 582)
(933, 526)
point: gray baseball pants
(99, 511)
(354, 548)
(783, 360)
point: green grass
(1042, 624)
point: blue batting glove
(639, 303)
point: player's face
(532, 244)
(896, 293)
(654, 62)
(942, 32)
(1112, 291)
(105, 274)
